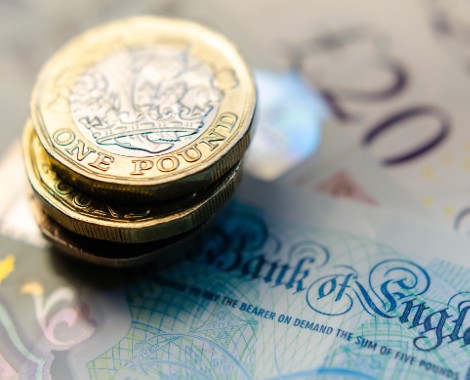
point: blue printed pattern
(250, 304)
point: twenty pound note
(282, 285)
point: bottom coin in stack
(117, 255)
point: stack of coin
(136, 136)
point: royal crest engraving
(145, 101)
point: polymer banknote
(396, 78)
(283, 285)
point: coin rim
(163, 186)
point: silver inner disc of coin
(145, 101)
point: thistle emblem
(149, 100)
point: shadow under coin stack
(136, 137)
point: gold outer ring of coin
(110, 254)
(111, 129)
(99, 219)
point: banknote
(283, 285)
(395, 75)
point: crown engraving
(149, 100)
